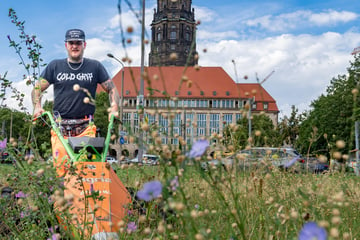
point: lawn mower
(99, 200)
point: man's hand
(38, 111)
(113, 110)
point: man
(75, 81)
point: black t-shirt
(67, 102)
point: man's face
(75, 50)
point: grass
(233, 204)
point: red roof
(205, 82)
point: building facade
(192, 104)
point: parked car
(6, 158)
(280, 157)
(224, 162)
(314, 165)
(111, 159)
(147, 159)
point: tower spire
(173, 31)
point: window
(172, 47)
(163, 125)
(227, 118)
(126, 119)
(266, 106)
(172, 103)
(151, 118)
(187, 33)
(254, 106)
(176, 128)
(173, 32)
(202, 103)
(187, 36)
(214, 123)
(136, 123)
(201, 124)
(216, 103)
(159, 36)
(189, 119)
(238, 116)
(227, 103)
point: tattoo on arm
(112, 91)
(36, 93)
(108, 85)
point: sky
(296, 46)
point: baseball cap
(74, 35)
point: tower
(173, 31)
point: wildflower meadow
(177, 198)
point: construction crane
(266, 78)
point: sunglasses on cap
(75, 42)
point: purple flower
(20, 195)
(198, 149)
(150, 191)
(291, 162)
(131, 227)
(174, 183)
(312, 231)
(3, 144)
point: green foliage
(195, 204)
(262, 128)
(101, 114)
(333, 114)
(14, 122)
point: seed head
(130, 29)
(173, 56)
(334, 232)
(40, 172)
(340, 144)
(76, 87)
(355, 91)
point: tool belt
(73, 127)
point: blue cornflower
(131, 227)
(198, 148)
(150, 191)
(291, 162)
(3, 144)
(174, 183)
(311, 231)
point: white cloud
(299, 19)
(216, 36)
(204, 14)
(332, 17)
(21, 87)
(303, 64)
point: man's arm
(36, 94)
(114, 98)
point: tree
(101, 113)
(263, 132)
(333, 114)
(289, 127)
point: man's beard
(76, 59)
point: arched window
(173, 32)
(158, 36)
(187, 34)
